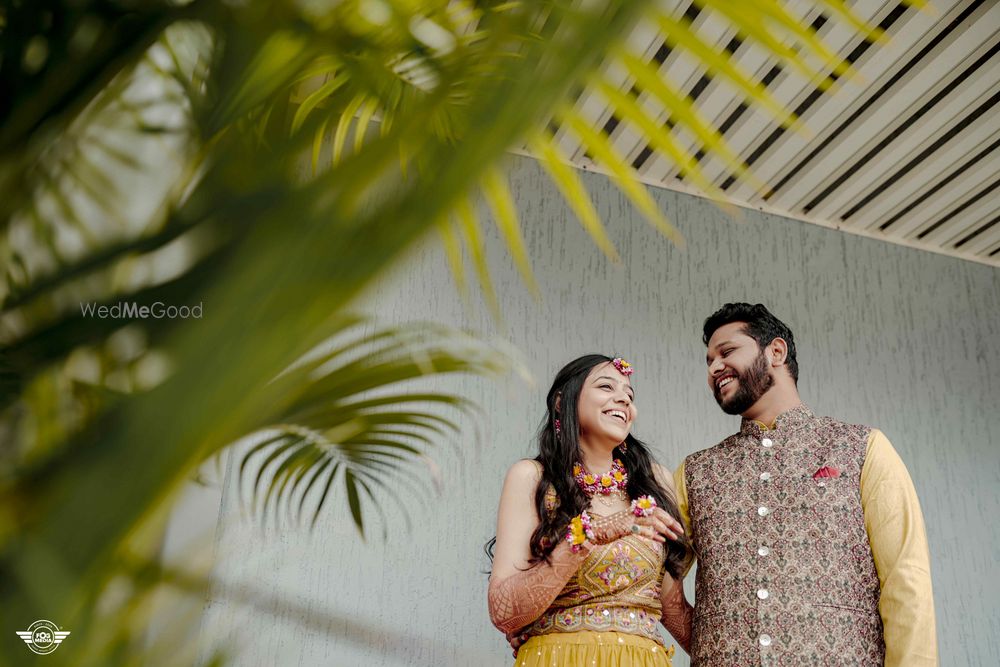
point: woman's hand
(516, 640)
(659, 526)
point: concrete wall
(888, 336)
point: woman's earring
(558, 427)
(623, 447)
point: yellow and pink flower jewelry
(612, 481)
(624, 367)
(579, 531)
(643, 505)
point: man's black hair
(761, 325)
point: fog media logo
(130, 310)
(43, 637)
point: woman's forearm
(522, 597)
(677, 613)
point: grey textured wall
(887, 336)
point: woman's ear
(558, 402)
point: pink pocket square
(825, 472)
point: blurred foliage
(265, 161)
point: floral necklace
(604, 487)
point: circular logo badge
(43, 637)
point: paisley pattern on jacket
(785, 570)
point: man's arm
(681, 496)
(898, 539)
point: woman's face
(605, 410)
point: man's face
(738, 370)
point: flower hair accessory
(624, 367)
(643, 505)
(579, 531)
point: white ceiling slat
(922, 218)
(872, 70)
(714, 31)
(592, 105)
(908, 143)
(986, 241)
(946, 162)
(806, 12)
(681, 67)
(787, 89)
(983, 210)
(886, 115)
(643, 41)
(921, 135)
(841, 39)
(966, 227)
(751, 59)
(972, 205)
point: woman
(589, 547)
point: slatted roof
(905, 150)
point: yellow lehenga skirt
(592, 649)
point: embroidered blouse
(616, 589)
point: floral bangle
(643, 505)
(579, 531)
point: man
(811, 544)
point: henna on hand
(523, 597)
(677, 612)
(609, 528)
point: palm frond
(573, 191)
(336, 425)
(264, 245)
(498, 195)
(619, 170)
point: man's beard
(751, 385)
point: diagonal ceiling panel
(906, 150)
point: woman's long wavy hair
(558, 452)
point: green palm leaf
(276, 254)
(334, 423)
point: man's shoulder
(833, 425)
(701, 454)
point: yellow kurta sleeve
(682, 507)
(898, 539)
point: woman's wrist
(579, 531)
(608, 529)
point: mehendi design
(521, 598)
(677, 613)
(609, 528)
